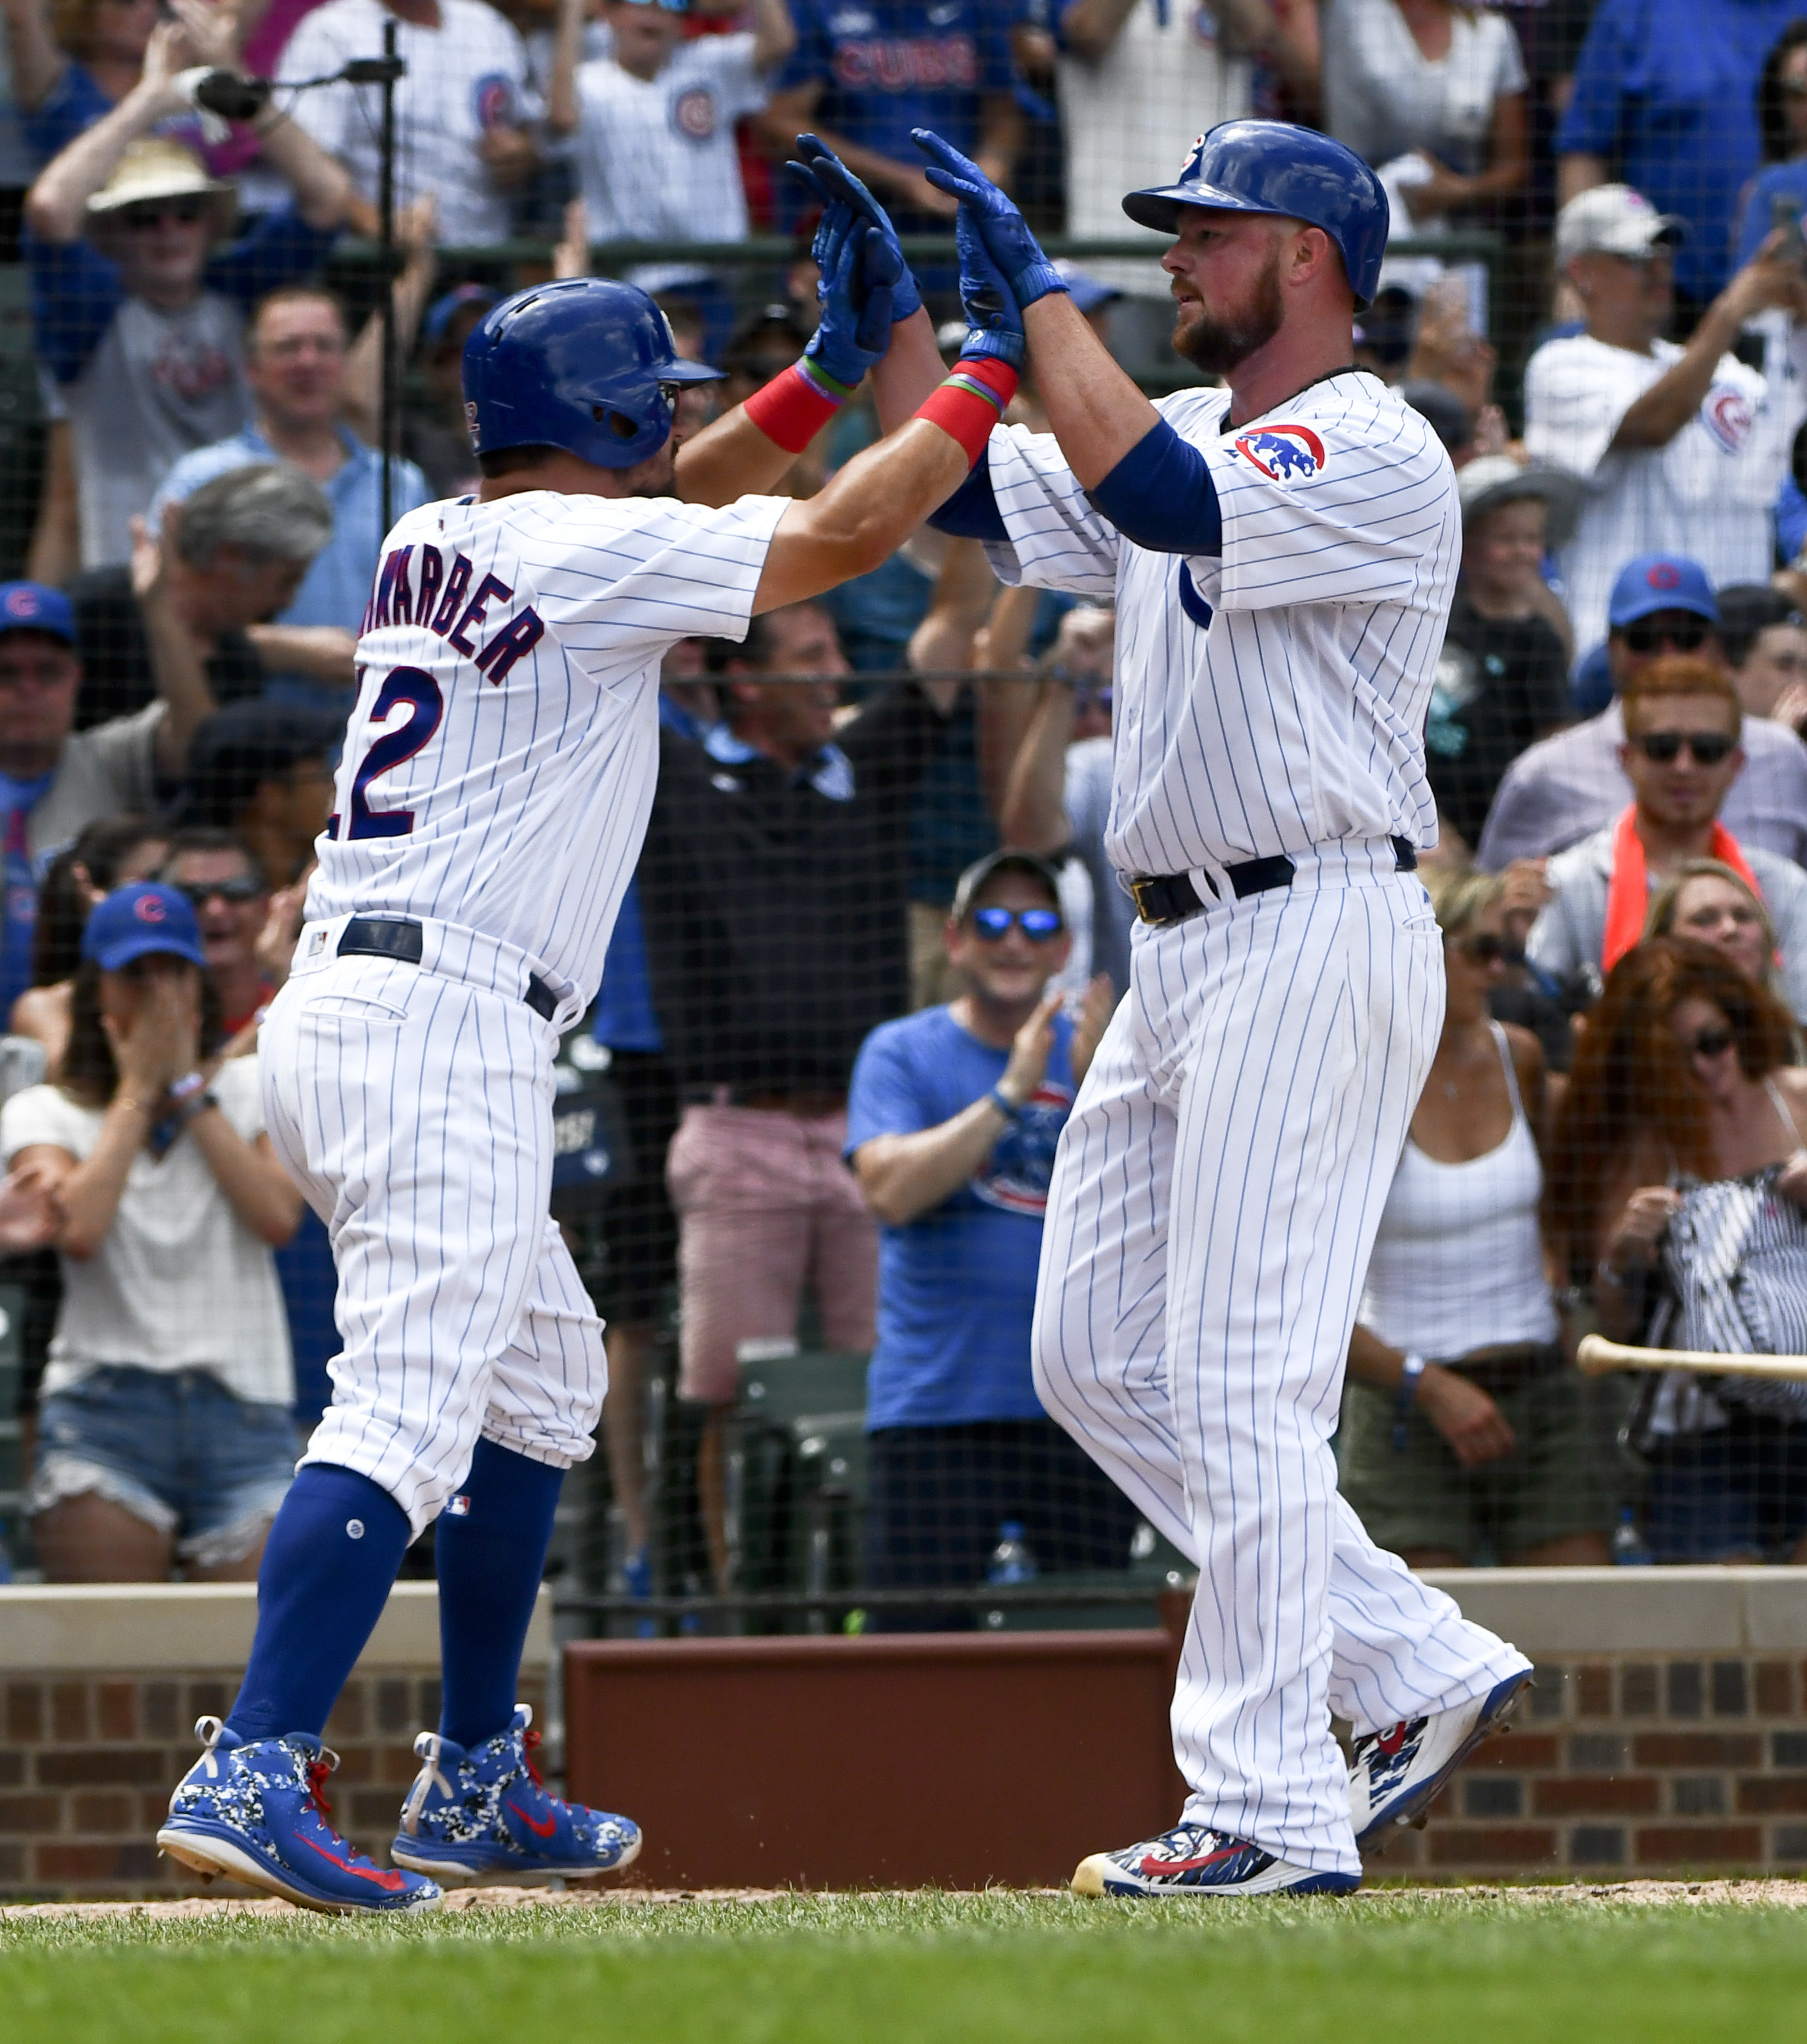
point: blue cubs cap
(133, 922)
(443, 310)
(29, 606)
(1660, 581)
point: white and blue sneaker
(1192, 1859)
(1396, 1774)
(255, 1811)
(484, 1815)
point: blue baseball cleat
(1396, 1774)
(255, 1811)
(1193, 1860)
(484, 1815)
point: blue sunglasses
(991, 926)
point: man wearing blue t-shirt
(952, 1122)
(865, 72)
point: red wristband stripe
(971, 402)
(791, 410)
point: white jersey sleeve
(1350, 505)
(1058, 540)
(1576, 393)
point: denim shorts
(175, 1448)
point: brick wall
(1634, 1767)
(87, 1762)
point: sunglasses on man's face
(237, 891)
(1711, 1043)
(991, 926)
(1485, 950)
(140, 219)
(1649, 633)
(1710, 749)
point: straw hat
(155, 166)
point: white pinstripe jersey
(499, 766)
(1272, 698)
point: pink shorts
(766, 1206)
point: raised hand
(837, 187)
(993, 318)
(858, 279)
(1016, 251)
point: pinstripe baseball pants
(1214, 1202)
(415, 1112)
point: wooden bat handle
(1596, 1356)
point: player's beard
(1218, 345)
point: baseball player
(1282, 552)
(494, 788)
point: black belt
(1170, 897)
(391, 937)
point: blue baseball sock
(327, 1572)
(490, 1558)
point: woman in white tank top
(1466, 1433)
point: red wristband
(971, 402)
(794, 407)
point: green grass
(1389, 1968)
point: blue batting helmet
(583, 364)
(1295, 173)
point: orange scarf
(1628, 888)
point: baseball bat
(1596, 1355)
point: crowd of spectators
(874, 935)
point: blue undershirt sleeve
(1160, 496)
(972, 511)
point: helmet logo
(1191, 154)
(1283, 454)
(471, 421)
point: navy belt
(1170, 897)
(394, 937)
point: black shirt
(1502, 684)
(775, 915)
(116, 677)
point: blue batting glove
(857, 294)
(993, 323)
(1014, 250)
(835, 184)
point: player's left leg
(479, 1810)
(1305, 1059)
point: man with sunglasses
(1561, 789)
(1682, 753)
(952, 1124)
(139, 298)
(231, 900)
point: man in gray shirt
(139, 298)
(1565, 788)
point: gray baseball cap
(973, 880)
(1494, 479)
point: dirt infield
(1679, 1894)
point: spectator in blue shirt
(952, 1124)
(1665, 100)
(1782, 125)
(865, 72)
(296, 349)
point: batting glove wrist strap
(971, 402)
(794, 407)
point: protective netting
(227, 300)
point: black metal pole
(388, 409)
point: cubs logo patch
(493, 96)
(1283, 454)
(1727, 415)
(148, 908)
(22, 603)
(693, 114)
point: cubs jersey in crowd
(499, 766)
(656, 157)
(464, 78)
(888, 65)
(1272, 698)
(1707, 494)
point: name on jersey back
(417, 586)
